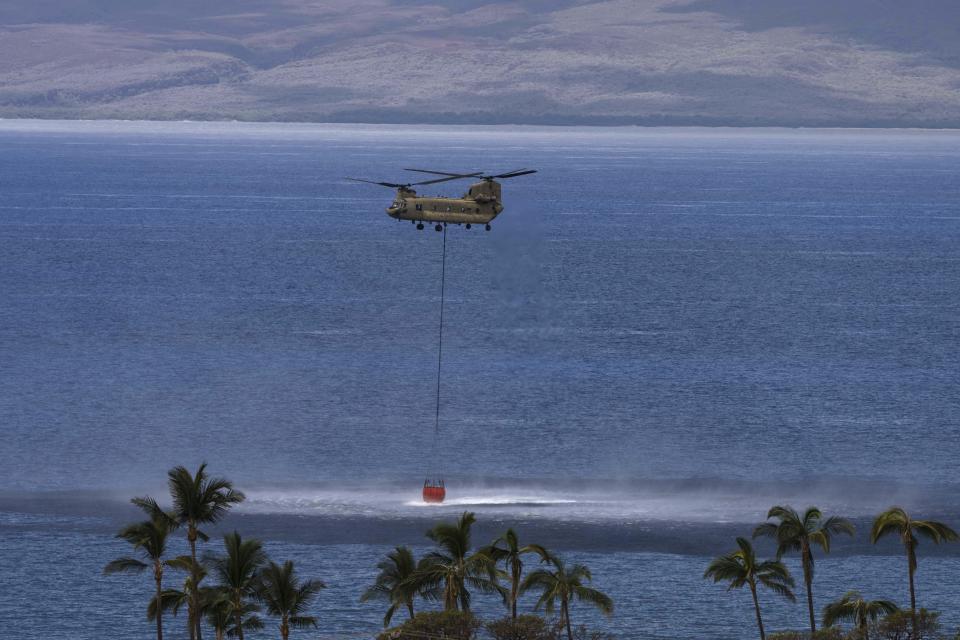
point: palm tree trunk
(191, 617)
(449, 597)
(191, 609)
(239, 618)
(158, 576)
(808, 583)
(514, 589)
(565, 614)
(912, 563)
(285, 628)
(756, 605)
(195, 633)
(410, 608)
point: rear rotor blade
(455, 177)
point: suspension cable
(443, 273)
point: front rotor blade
(382, 184)
(514, 174)
(447, 173)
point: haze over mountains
(711, 62)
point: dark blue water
(665, 333)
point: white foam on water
(702, 501)
(497, 501)
(703, 504)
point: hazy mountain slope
(819, 62)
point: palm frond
(199, 499)
(170, 601)
(125, 565)
(540, 550)
(388, 616)
(777, 587)
(597, 598)
(783, 512)
(302, 622)
(878, 608)
(776, 570)
(811, 519)
(892, 521)
(728, 568)
(766, 530)
(180, 563)
(153, 510)
(836, 525)
(936, 531)
(851, 607)
(841, 610)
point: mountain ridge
(867, 63)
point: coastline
(41, 124)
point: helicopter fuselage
(479, 205)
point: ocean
(665, 333)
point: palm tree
(170, 600)
(218, 610)
(565, 585)
(197, 500)
(395, 583)
(150, 539)
(215, 608)
(173, 599)
(237, 572)
(741, 568)
(796, 533)
(453, 567)
(896, 521)
(228, 626)
(853, 608)
(286, 597)
(512, 556)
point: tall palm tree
(237, 572)
(565, 585)
(741, 568)
(453, 568)
(199, 499)
(794, 532)
(395, 583)
(149, 538)
(853, 608)
(512, 556)
(897, 521)
(286, 597)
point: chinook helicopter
(479, 205)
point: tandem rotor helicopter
(479, 205)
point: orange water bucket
(434, 491)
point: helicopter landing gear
(488, 227)
(468, 225)
(438, 228)
(419, 226)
